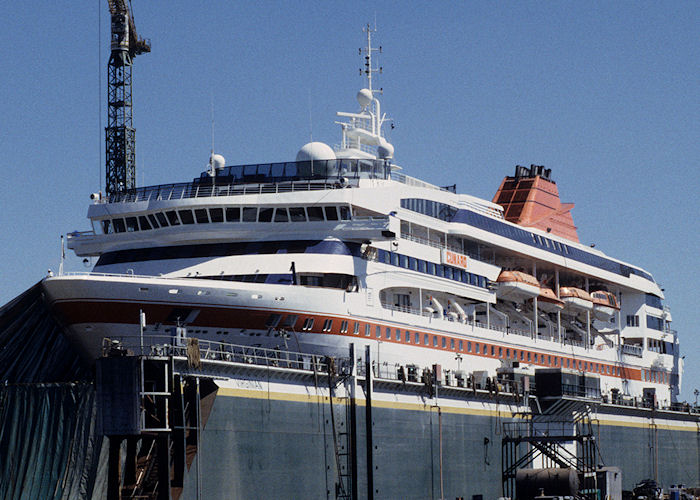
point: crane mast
(120, 173)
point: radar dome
(315, 151)
(385, 150)
(217, 161)
(364, 97)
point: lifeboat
(575, 300)
(604, 305)
(517, 286)
(548, 302)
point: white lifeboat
(575, 300)
(548, 302)
(517, 286)
(604, 305)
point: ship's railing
(171, 345)
(632, 350)
(504, 329)
(263, 178)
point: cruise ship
(340, 247)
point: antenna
(211, 97)
(368, 56)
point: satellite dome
(364, 97)
(385, 150)
(217, 161)
(315, 151)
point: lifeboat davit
(575, 300)
(605, 305)
(517, 286)
(547, 301)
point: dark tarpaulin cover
(49, 448)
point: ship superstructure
(340, 247)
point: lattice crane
(120, 134)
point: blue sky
(604, 93)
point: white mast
(363, 132)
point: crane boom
(120, 135)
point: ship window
(250, 214)
(469, 346)
(549, 360)
(119, 226)
(331, 213)
(452, 343)
(421, 266)
(289, 321)
(233, 214)
(444, 342)
(431, 268)
(448, 272)
(356, 328)
(186, 216)
(567, 362)
(297, 214)
(416, 338)
(343, 326)
(161, 219)
(522, 356)
(273, 320)
(368, 329)
(426, 339)
(435, 341)
(412, 263)
(172, 218)
(507, 353)
(153, 221)
(407, 337)
(529, 357)
(404, 261)
(265, 215)
(131, 225)
(308, 324)
(327, 325)
(143, 222)
(281, 215)
(216, 214)
(493, 350)
(387, 333)
(500, 352)
(344, 213)
(106, 226)
(201, 215)
(397, 335)
(632, 320)
(314, 213)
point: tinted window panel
(315, 213)
(172, 218)
(250, 214)
(201, 215)
(216, 214)
(233, 214)
(143, 222)
(131, 224)
(119, 226)
(297, 214)
(161, 219)
(331, 213)
(153, 221)
(265, 215)
(281, 215)
(186, 216)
